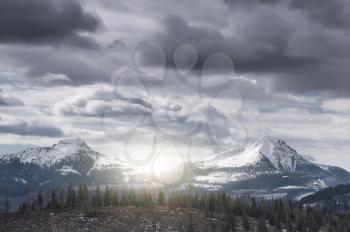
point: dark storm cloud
(261, 47)
(79, 68)
(79, 71)
(291, 54)
(249, 3)
(331, 13)
(19, 126)
(46, 22)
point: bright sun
(165, 162)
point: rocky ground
(128, 219)
(112, 219)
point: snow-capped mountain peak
(272, 153)
(47, 156)
(71, 145)
(282, 157)
(75, 141)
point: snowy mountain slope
(268, 166)
(69, 161)
(48, 156)
(265, 155)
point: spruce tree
(107, 197)
(161, 199)
(86, 202)
(40, 200)
(61, 198)
(7, 202)
(115, 198)
(98, 198)
(81, 197)
(74, 199)
(71, 200)
(53, 203)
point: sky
(176, 80)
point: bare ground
(126, 219)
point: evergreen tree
(74, 199)
(71, 201)
(61, 197)
(23, 207)
(86, 196)
(124, 199)
(107, 197)
(254, 209)
(7, 202)
(81, 197)
(40, 200)
(97, 197)
(53, 202)
(161, 199)
(115, 198)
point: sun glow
(167, 165)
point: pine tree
(254, 208)
(115, 198)
(86, 202)
(212, 203)
(161, 199)
(107, 197)
(98, 198)
(71, 201)
(74, 199)
(23, 207)
(61, 197)
(53, 203)
(81, 197)
(7, 202)
(40, 200)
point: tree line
(279, 213)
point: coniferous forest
(249, 213)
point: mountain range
(268, 167)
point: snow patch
(20, 180)
(221, 177)
(292, 187)
(65, 170)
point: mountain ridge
(280, 156)
(268, 166)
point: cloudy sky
(184, 78)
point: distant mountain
(268, 167)
(69, 161)
(333, 198)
